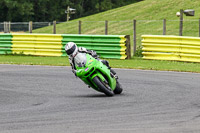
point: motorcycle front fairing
(88, 67)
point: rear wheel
(104, 87)
(118, 89)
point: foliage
(20, 10)
(49, 10)
(139, 51)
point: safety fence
(107, 46)
(177, 48)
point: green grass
(134, 63)
(33, 60)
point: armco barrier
(178, 48)
(107, 46)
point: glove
(94, 54)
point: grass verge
(134, 63)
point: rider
(72, 50)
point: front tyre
(118, 89)
(105, 88)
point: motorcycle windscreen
(80, 59)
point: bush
(138, 51)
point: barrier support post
(199, 27)
(9, 26)
(54, 27)
(134, 37)
(106, 27)
(5, 26)
(164, 26)
(79, 27)
(181, 23)
(30, 26)
(128, 46)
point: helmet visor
(71, 50)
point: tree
(20, 10)
(49, 10)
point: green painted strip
(108, 52)
(80, 40)
(84, 36)
(114, 56)
(111, 56)
(5, 51)
(6, 36)
(105, 49)
(95, 44)
(91, 38)
(5, 44)
(101, 48)
(102, 52)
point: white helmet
(71, 49)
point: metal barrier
(177, 48)
(107, 46)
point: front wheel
(118, 89)
(105, 88)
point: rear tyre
(105, 88)
(118, 89)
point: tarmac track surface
(44, 99)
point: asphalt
(46, 99)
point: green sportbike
(96, 74)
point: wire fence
(190, 28)
(21, 26)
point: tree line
(49, 10)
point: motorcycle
(96, 74)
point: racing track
(44, 99)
